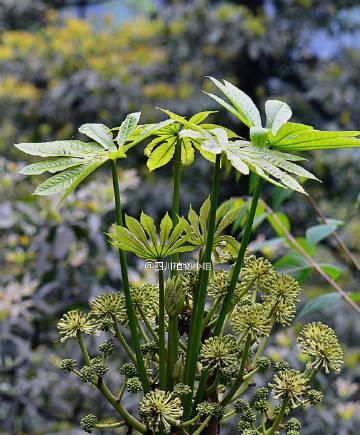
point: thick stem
(162, 352)
(226, 306)
(203, 425)
(126, 285)
(83, 349)
(195, 338)
(173, 336)
(239, 261)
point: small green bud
(243, 425)
(178, 370)
(261, 405)
(88, 422)
(261, 393)
(134, 385)
(68, 365)
(87, 374)
(210, 408)
(106, 348)
(174, 297)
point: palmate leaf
(73, 160)
(140, 237)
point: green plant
(191, 375)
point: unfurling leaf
(127, 127)
(100, 134)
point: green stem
(240, 259)
(190, 422)
(123, 342)
(126, 285)
(214, 385)
(195, 338)
(173, 336)
(227, 415)
(162, 352)
(110, 425)
(211, 313)
(278, 419)
(83, 349)
(132, 421)
(148, 325)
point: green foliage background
(59, 70)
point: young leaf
(100, 134)
(166, 225)
(200, 117)
(135, 227)
(277, 114)
(127, 126)
(161, 155)
(319, 303)
(147, 223)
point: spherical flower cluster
(107, 307)
(292, 425)
(285, 289)
(210, 408)
(181, 390)
(219, 284)
(160, 410)
(68, 365)
(188, 282)
(283, 312)
(144, 298)
(314, 397)
(241, 406)
(263, 362)
(290, 384)
(87, 374)
(88, 422)
(220, 353)
(99, 367)
(129, 370)
(257, 273)
(251, 321)
(106, 348)
(281, 365)
(174, 297)
(75, 322)
(134, 385)
(319, 341)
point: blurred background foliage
(64, 63)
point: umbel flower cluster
(263, 299)
(195, 344)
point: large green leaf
(61, 148)
(52, 166)
(127, 126)
(100, 134)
